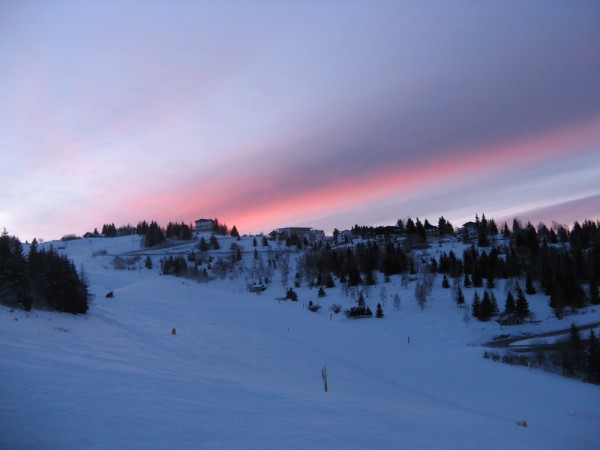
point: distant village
(382, 234)
(406, 232)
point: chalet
(345, 237)
(432, 231)
(468, 232)
(204, 225)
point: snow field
(244, 371)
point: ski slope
(243, 371)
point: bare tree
(421, 294)
(405, 280)
(382, 294)
(397, 301)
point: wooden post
(324, 375)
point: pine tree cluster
(43, 279)
(179, 231)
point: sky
(268, 114)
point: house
(432, 231)
(204, 225)
(344, 237)
(468, 232)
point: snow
(244, 370)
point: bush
(291, 295)
(359, 312)
(336, 308)
(314, 307)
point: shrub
(314, 307)
(336, 308)
(359, 312)
(291, 295)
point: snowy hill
(244, 370)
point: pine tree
(522, 306)
(214, 242)
(485, 308)
(234, 232)
(379, 312)
(154, 235)
(529, 289)
(506, 230)
(445, 282)
(494, 302)
(509, 306)
(593, 358)
(476, 305)
(460, 298)
(203, 246)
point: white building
(204, 225)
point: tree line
(41, 279)
(564, 264)
(153, 234)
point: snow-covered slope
(244, 371)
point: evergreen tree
(482, 233)
(485, 308)
(411, 229)
(593, 358)
(109, 230)
(505, 230)
(460, 298)
(529, 289)
(509, 306)
(494, 303)
(476, 305)
(522, 306)
(329, 283)
(235, 233)
(214, 243)
(154, 235)
(148, 262)
(379, 312)
(445, 282)
(203, 246)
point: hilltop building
(204, 225)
